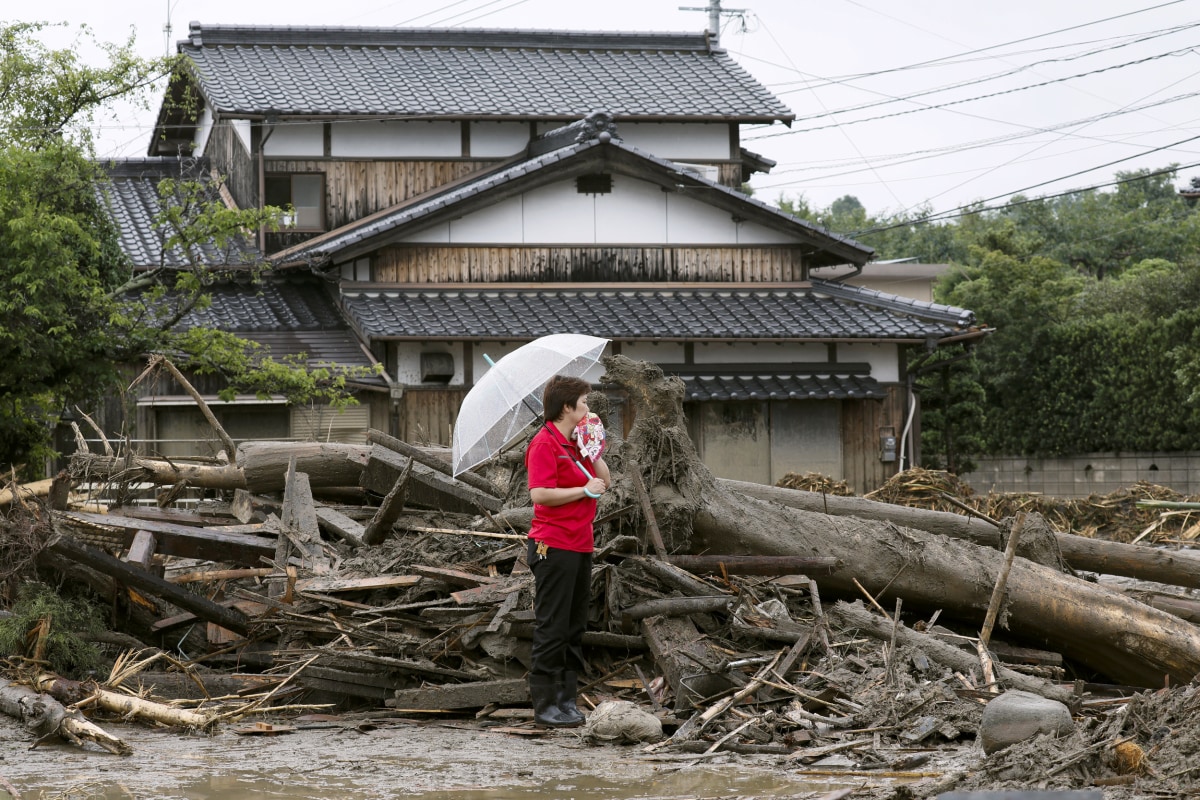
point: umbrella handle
(590, 494)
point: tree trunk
(1178, 568)
(1101, 629)
(45, 716)
(263, 467)
(69, 691)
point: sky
(914, 107)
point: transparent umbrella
(509, 395)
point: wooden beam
(145, 582)
(177, 540)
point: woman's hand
(595, 487)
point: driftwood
(72, 692)
(44, 716)
(1102, 629)
(1178, 568)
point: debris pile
(837, 634)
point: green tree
(66, 323)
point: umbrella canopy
(509, 395)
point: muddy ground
(376, 754)
(433, 760)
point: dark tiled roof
(718, 313)
(287, 314)
(833, 248)
(425, 72)
(132, 199)
(784, 386)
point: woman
(564, 486)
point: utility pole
(714, 16)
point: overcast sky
(923, 65)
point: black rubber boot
(543, 690)
(567, 690)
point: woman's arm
(545, 496)
(600, 470)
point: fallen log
(71, 692)
(261, 467)
(44, 716)
(1096, 627)
(1175, 567)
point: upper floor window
(304, 192)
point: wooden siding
(427, 415)
(441, 264)
(355, 189)
(229, 158)
(861, 421)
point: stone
(1017, 716)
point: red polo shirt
(550, 461)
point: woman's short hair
(560, 393)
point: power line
(937, 152)
(977, 207)
(948, 103)
(1021, 40)
(853, 144)
(1022, 68)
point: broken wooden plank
(389, 510)
(249, 507)
(299, 523)
(675, 576)
(141, 550)
(491, 593)
(421, 457)
(431, 489)
(461, 695)
(333, 585)
(454, 577)
(177, 540)
(338, 524)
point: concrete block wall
(1080, 476)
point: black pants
(562, 589)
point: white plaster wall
(408, 360)
(751, 352)
(753, 233)
(500, 223)
(654, 352)
(883, 358)
(203, 130)
(395, 139)
(558, 213)
(678, 141)
(498, 139)
(296, 139)
(241, 128)
(690, 221)
(635, 213)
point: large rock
(1016, 716)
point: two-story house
(466, 191)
